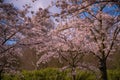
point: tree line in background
(84, 35)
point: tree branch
(116, 32)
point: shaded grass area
(56, 74)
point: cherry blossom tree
(68, 49)
(101, 25)
(105, 38)
(38, 35)
(11, 24)
(103, 28)
(70, 41)
(18, 31)
(86, 27)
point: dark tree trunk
(0, 74)
(73, 74)
(74, 77)
(103, 69)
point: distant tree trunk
(103, 69)
(73, 74)
(74, 77)
(1, 74)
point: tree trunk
(0, 74)
(103, 69)
(73, 74)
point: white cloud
(35, 6)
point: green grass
(56, 74)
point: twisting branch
(116, 32)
